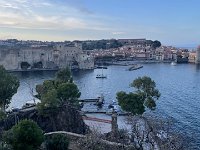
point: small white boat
(31, 103)
(101, 76)
(173, 63)
(100, 101)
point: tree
(57, 142)
(64, 75)
(68, 92)
(145, 96)
(54, 93)
(131, 102)
(2, 115)
(25, 135)
(49, 100)
(156, 44)
(49, 106)
(8, 87)
(42, 89)
(146, 89)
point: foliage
(8, 87)
(57, 142)
(68, 92)
(49, 100)
(131, 102)
(146, 88)
(64, 75)
(47, 85)
(54, 93)
(156, 44)
(101, 44)
(5, 146)
(2, 115)
(25, 135)
(145, 96)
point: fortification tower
(198, 55)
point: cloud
(118, 33)
(45, 14)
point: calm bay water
(179, 86)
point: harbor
(168, 78)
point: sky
(173, 22)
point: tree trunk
(53, 123)
(3, 107)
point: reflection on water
(28, 82)
(198, 67)
(179, 86)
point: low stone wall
(75, 137)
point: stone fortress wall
(59, 56)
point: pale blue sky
(173, 22)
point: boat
(101, 67)
(135, 67)
(100, 101)
(115, 107)
(173, 63)
(31, 103)
(101, 76)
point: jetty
(90, 100)
(99, 101)
(106, 113)
(96, 119)
(102, 67)
(135, 67)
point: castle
(45, 57)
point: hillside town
(23, 55)
(143, 51)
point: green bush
(26, 135)
(4, 146)
(2, 115)
(56, 142)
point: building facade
(198, 55)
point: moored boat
(101, 76)
(101, 67)
(135, 67)
(173, 63)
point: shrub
(2, 115)
(25, 135)
(5, 146)
(56, 142)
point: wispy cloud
(118, 33)
(45, 14)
